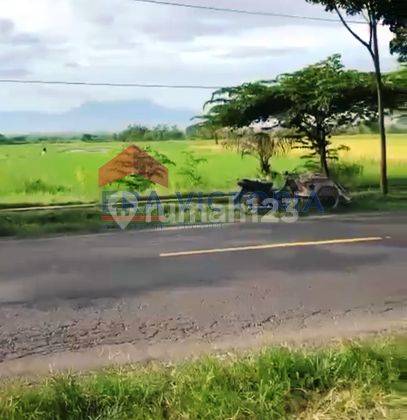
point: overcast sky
(127, 41)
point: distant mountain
(94, 116)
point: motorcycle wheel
(328, 197)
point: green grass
(37, 223)
(34, 223)
(373, 200)
(357, 380)
(68, 172)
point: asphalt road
(76, 292)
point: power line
(131, 85)
(243, 11)
(170, 86)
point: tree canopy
(314, 101)
(398, 45)
(158, 133)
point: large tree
(313, 103)
(325, 97)
(376, 12)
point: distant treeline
(142, 133)
(395, 126)
(135, 133)
(38, 139)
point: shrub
(190, 169)
(39, 186)
(347, 173)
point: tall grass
(273, 384)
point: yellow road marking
(271, 246)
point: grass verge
(373, 200)
(32, 223)
(356, 380)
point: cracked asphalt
(74, 293)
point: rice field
(68, 172)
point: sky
(127, 41)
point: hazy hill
(93, 117)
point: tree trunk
(322, 151)
(265, 166)
(324, 161)
(373, 48)
(380, 104)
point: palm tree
(264, 145)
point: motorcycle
(260, 197)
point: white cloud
(125, 41)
